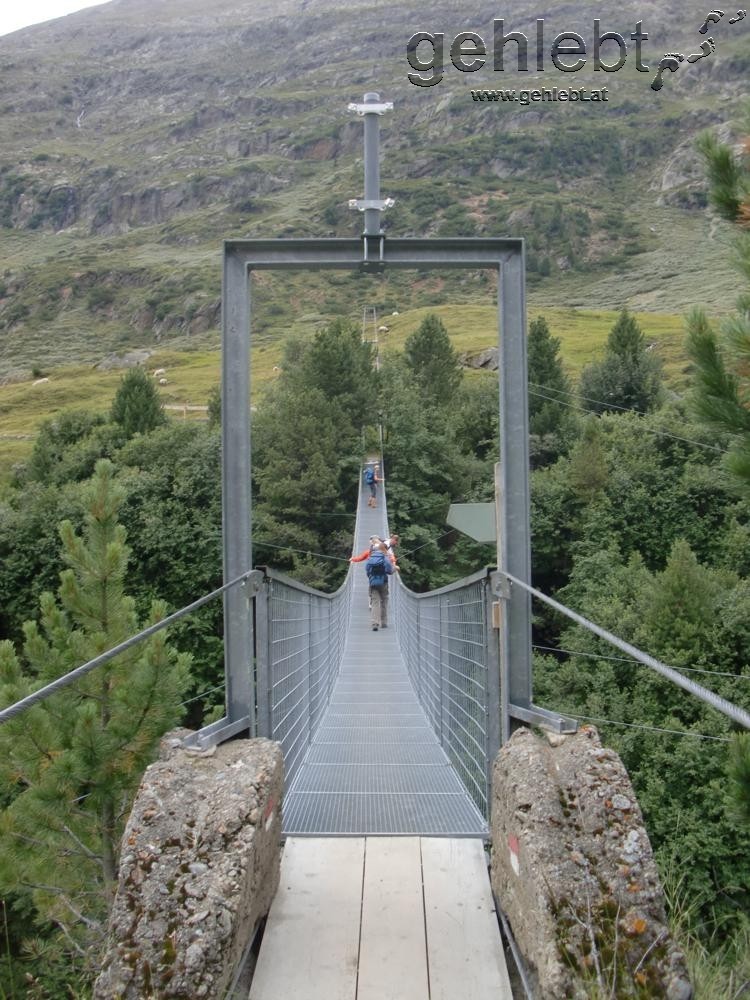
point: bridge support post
(235, 491)
(494, 714)
(263, 608)
(514, 543)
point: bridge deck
(379, 919)
(375, 765)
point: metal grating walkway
(375, 765)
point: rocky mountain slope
(136, 135)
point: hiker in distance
(375, 540)
(379, 567)
(391, 544)
(372, 478)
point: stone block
(199, 867)
(573, 870)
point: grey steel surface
(374, 765)
(300, 635)
(235, 488)
(446, 639)
(515, 531)
(372, 167)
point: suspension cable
(629, 659)
(613, 406)
(656, 729)
(307, 552)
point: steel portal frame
(377, 254)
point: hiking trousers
(379, 609)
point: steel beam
(351, 254)
(515, 533)
(378, 253)
(235, 494)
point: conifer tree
(136, 406)
(433, 361)
(71, 763)
(340, 365)
(739, 773)
(722, 384)
(588, 463)
(551, 422)
(628, 377)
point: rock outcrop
(199, 868)
(486, 359)
(573, 870)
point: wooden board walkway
(382, 918)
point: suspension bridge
(396, 786)
(388, 741)
(388, 738)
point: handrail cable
(738, 715)
(74, 675)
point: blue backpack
(369, 476)
(377, 573)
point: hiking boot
(374, 628)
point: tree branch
(87, 852)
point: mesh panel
(443, 639)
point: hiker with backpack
(372, 479)
(374, 541)
(379, 567)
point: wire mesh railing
(444, 638)
(300, 637)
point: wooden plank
(392, 957)
(464, 947)
(310, 945)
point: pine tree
(551, 421)
(306, 452)
(72, 762)
(433, 361)
(340, 365)
(722, 384)
(136, 406)
(739, 773)
(628, 377)
(589, 474)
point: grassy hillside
(192, 374)
(134, 138)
